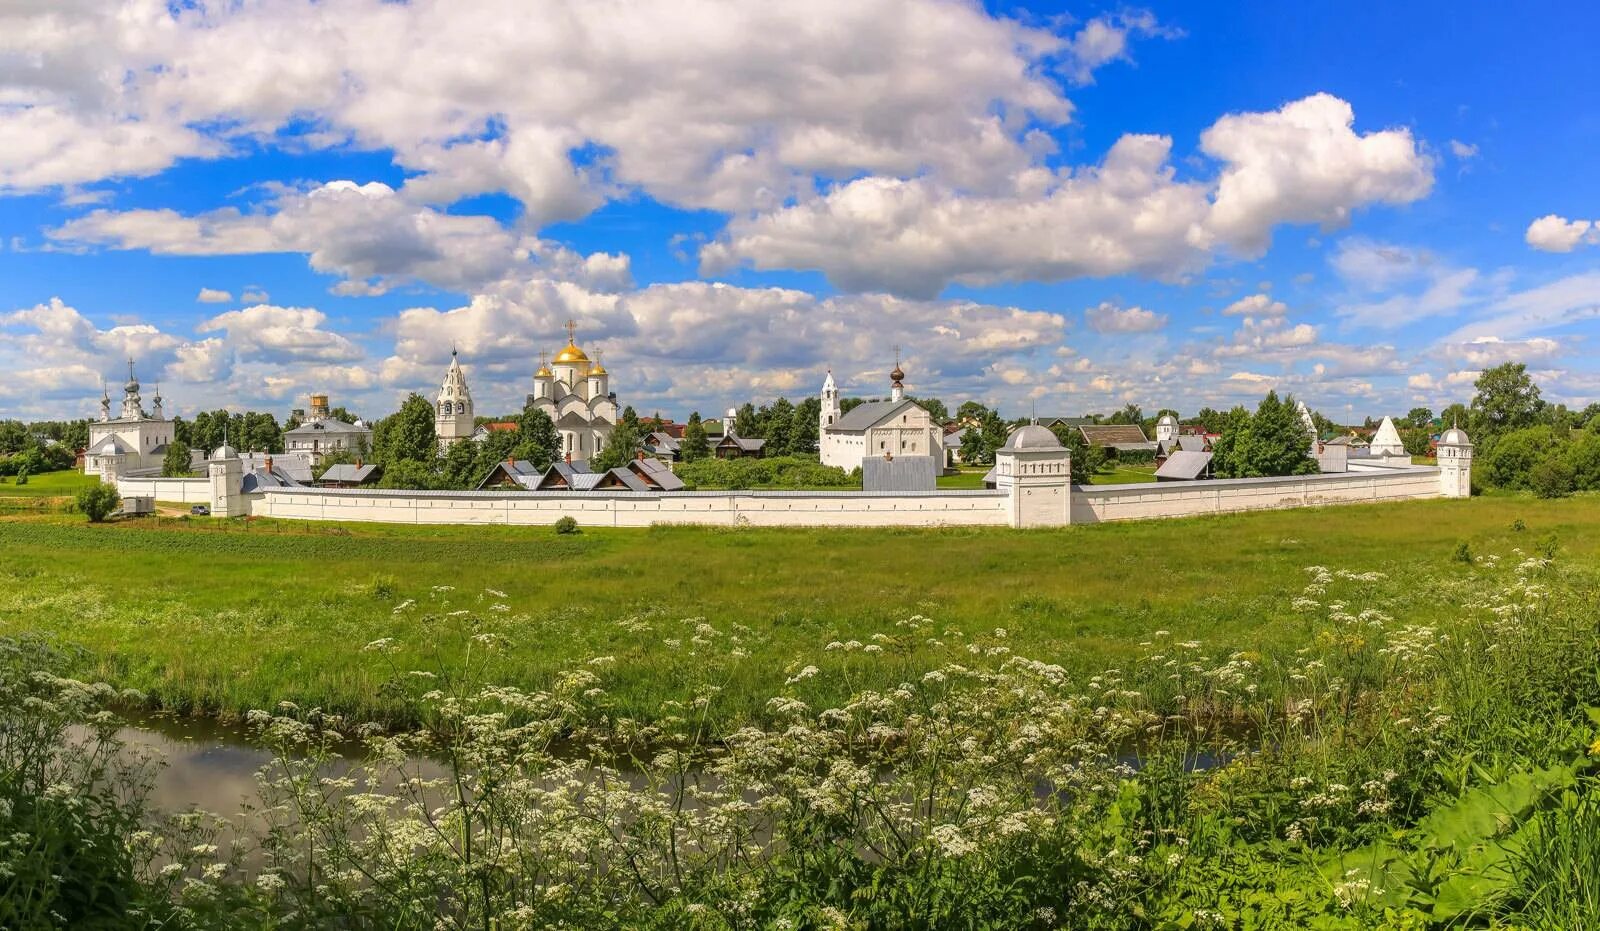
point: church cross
(572, 331)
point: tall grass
(1419, 755)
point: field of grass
(47, 485)
(1124, 475)
(224, 616)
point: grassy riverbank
(208, 615)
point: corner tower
(1455, 464)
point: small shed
(1185, 466)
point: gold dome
(597, 369)
(571, 354)
(544, 372)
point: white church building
(576, 393)
(891, 429)
(132, 442)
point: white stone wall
(1089, 504)
(1096, 503)
(186, 490)
(636, 509)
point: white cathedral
(134, 441)
(573, 390)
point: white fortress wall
(186, 490)
(636, 509)
(1096, 503)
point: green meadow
(219, 617)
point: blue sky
(1064, 206)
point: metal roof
(870, 413)
(1186, 465)
(1116, 435)
(902, 473)
(110, 444)
(330, 425)
(348, 472)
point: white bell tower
(830, 404)
(452, 418)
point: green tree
(98, 501)
(779, 428)
(1210, 420)
(406, 435)
(537, 439)
(13, 437)
(1510, 460)
(1584, 458)
(803, 432)
(626, 439)
(1130, 414)
(1552, 477)
(694, 445)
(745, 422)
(175, 464)
(1506, 400)
(1418, 440)
(971, 412)
(1277, 440)
(1420, 417)
(1086, 457)
(460, 465)
(410, 473)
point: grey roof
(953, 440)
(110, 444)
(1145, 447)
(1066, 421)
(868, 413)
(748, 445)
(349, 472)
(902, 473)
(628, 477)
(1116, 436)
(259, 479)
(1032, 436)
(662, 440)
(1192, 443)
(1455, 436)
(658, 472)
(520, 471)
(329, 425)
(1184, 464)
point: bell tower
(452, 417)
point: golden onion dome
(571, 354)
(544, 372)
(597, 369)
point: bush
(97, 502)
(777, 472)
(22, 475)
(1463, 552)
(1551, 478)
(567, 525)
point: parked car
(201, 510)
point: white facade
(1454, 450)
(452, 409)
(896, 427)
(133, 441)
(576, 394)
(320, 435)
(1167, 429)
(1387, 442)
(1034, 470)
